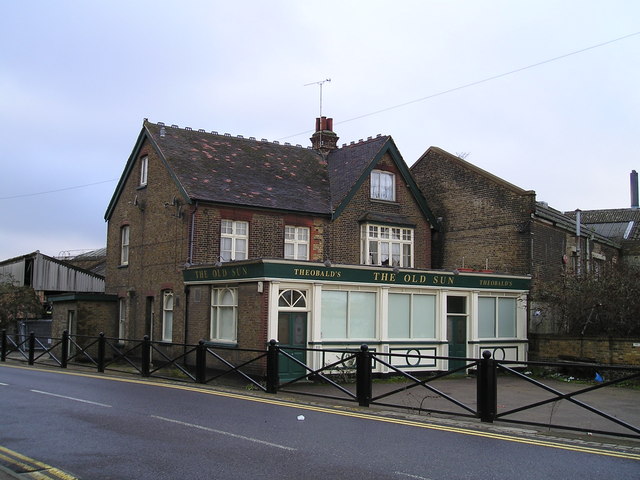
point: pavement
(393, 398)
(581, 412)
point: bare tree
(17, 302)
(607, 303)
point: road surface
(99, 427)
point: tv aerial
(320, 83)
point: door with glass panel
(457, 330)
(292, 334)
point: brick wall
(615, 351)
(266, 232)
(158, 248)
(485, 220)
(342, 237)
(92, 317)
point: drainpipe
(578, 249)
(187, 291)
(192, 233)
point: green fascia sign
(261, 269)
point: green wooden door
(457, 330)
(292, 332)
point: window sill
(220, 344)
(141, 187)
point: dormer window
(383, 186)
(144, 170)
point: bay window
(382, 245)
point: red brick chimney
(324, 139)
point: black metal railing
(345, 374)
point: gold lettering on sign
(442, 280)
(384, 277)
(496, 283)
(414, 278)
(202, 275)
(315, 273)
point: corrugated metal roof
(616, 224)
(45, 273)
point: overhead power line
(393, 107)
(473, 84)
(57, 190)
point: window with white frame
(167, 316)
(124, 245)
(497, 317)
(383, 186)
(412, 316)
(144, 170)
(296, 243)
(383, 245)
(234, 236)
(224, 314)
(122, 317)
(348, 315)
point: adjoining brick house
(490, 224)
(237, 241)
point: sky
(542, 93)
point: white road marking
(72, 398)
(417, 477)
(4, 384)
(229, 434)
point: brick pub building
(238, 240)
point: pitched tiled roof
(618, 224)
(242, 171)
(225, 169)
(347, 164)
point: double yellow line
(30, 468)
(377, 418)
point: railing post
(487, 390)
(32, 348)
(273, 374)
(101, 352)
(3, 346)
(146, 356)
(65, 349)
(363, 376)
(201, 362)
